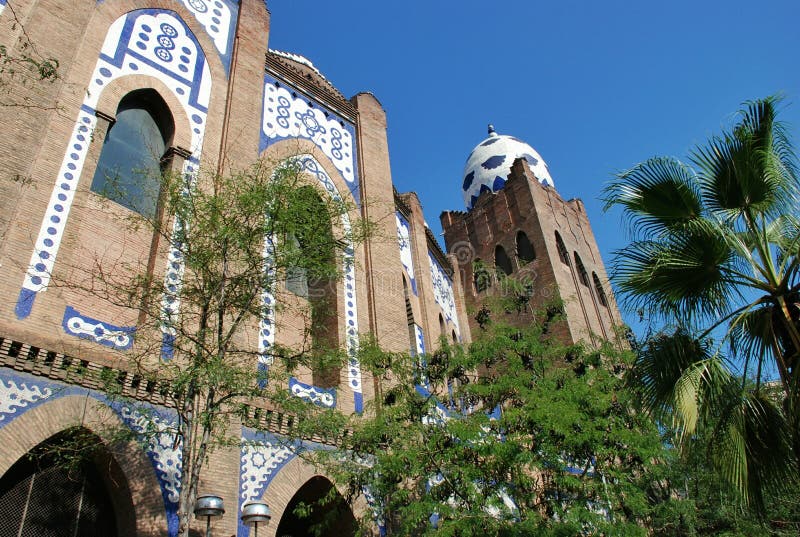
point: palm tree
(714, 263)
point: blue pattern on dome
(468, 180)
(472, 201)
(490, 141)
(493, 162)
(518, 140)
(484, 188)
(533, 161)
(499, 183)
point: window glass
(129, 168)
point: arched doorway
(322, 512)
(51, 493)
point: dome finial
(491, 130)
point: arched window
(311, 274)
(598, 287)
(481, 276)
(129, 168)
(525, 251)
(501, 261)
(442, 326)
(582, 275)
(455, 337)
(563, 254)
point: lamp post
(255, 511)
(209, 506)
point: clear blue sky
(594, 87)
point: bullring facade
(198, 77)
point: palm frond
(752, 336)
(659, 368)
(751, 447)
(660, 193)
(750, 168)
(683, 274)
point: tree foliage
(714, 267)
(515, 435)
(230, 237)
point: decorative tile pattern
(18, 395)
(313, 394)
(490, 163)
(218, 18)
(166, 455)
(420, 341)
(262, 457)
(443, 292)
(116, 337)
(289, 115)
(266, 325)
(309, 164)
(146, 42)
(3, 6)
(378, 515)
(404, 242)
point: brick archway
(135, 492)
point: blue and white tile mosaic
(443, 292)
(289, 115)
(490, 163)
(323, 397)
(164, 452)
(266, 325)
(404, 242)
(18, 394)
(218, 18)
(262, 457)
(3, 6)
(419, 339)
(378, 515)
(307, 163)
(116, 337)
(142, 42)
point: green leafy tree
(516, 435)
(233, 236)
(713, 264)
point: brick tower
(518, 227)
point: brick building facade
(203, 62)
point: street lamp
(255, 511)
(208, 505)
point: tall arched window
(502, 261)
(563, 254)
(442, 326)
(525, 251)
(601, 293)
(129, 168)
(312, 274)
(582, 275)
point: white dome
(490, 163)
